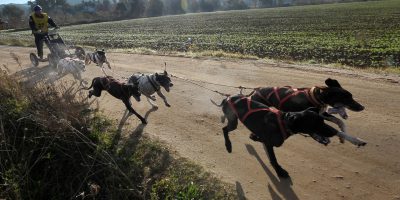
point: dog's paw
(282, 173)
(144, 121)
(228, 146)
(167, 104)
(341, 140)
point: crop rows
(358, 34)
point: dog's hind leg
(232, 125)
(151, 102)
(129, 107)
(272, 159)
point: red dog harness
(309, 93)
(251, 110)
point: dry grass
(53, 143)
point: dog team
(271, 114)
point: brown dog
(118, 90)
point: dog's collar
(153, 83)
(314, 98)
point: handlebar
(52, 31)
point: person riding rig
(38, 22)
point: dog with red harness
(290, 99)
(272, 127)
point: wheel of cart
(58, 50)
(34, 59)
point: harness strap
(152, 83)
(278, 114)
(313, 98)
(309, 93)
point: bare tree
(154, 8)
(173, 7)
(14, 15)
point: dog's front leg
(163, 97)
(353, 140)
(336, 121)
(129, 107)
(272, 159)
(108, 64)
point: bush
(53, 144)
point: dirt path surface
(192, 126)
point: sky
(13, 1)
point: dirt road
(192, 126)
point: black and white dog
(98, 57)
(152, 83)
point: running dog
(118, 90)
(73, 66)
(272, 127)
(98, 57)
(297, 99)
(152, 83)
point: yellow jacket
(41, 23)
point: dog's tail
(220, 105)
(91, 85)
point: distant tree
(266, 3)
(48, 5)
(13, 14)
(193, 6)
(209, 5)
(106, 5)
(120, 9)
(154, 8)
(173, 7)
(236, 5)
(136, 8)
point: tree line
(12, 16)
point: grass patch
(54, 143)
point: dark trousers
(39, 39)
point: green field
(356, 34)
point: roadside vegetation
(55, 144)
(362, 34)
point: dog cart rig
(58, 50)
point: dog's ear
(332, 83)
(165, 73)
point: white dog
(73, 66)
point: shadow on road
(240, 192)
(136, 133)
(283, 186)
